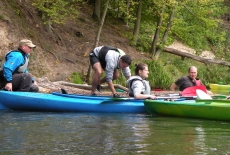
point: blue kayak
(58, 102)
(2, 107)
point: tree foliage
(57, 11)
(197, 22)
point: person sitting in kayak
(14, 74)
(187, 81)
(109, 59)
(139, 87)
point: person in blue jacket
(14, 74)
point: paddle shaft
(177, 97)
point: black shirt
(185, 82)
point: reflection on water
(99, 133)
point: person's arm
(127, 72)
(173, 87)
(9, 67)
(127, 77)
(109, 69)
(111, 87)
(209, 92)
(137, 87)
(142, 96)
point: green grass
(77, 78)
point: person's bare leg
(96, 76)
(103, 80)
(116, 74)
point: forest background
(65, 32)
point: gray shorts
(93, 58)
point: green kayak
(204, 109)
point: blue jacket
(13, 60)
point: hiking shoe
(99, 88)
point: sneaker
(99, 88)
(93, 94)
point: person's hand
(8, 86)
(116, 95)
(35, 83)
(153, 97)
(209, 92)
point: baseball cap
(27, 43)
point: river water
(99, 133)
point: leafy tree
(57, 11)
(196, 23)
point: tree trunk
(97, 10)
(127, 16)
(194, 57)
(137, 23)
(88, 87)
(98, 37)
(101, 24)
(165, 36)
(157, 32)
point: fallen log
(44, 90)
(86, 86)
(197, 58)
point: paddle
(63, 91)
(124, 99)
(202, 95)
(191, 91)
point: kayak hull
(220, 89)
(2, 107)
(207, 109)
(28, 101)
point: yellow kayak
(220, 89)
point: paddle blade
(202, 95)
(63, 91)
(191, 91)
